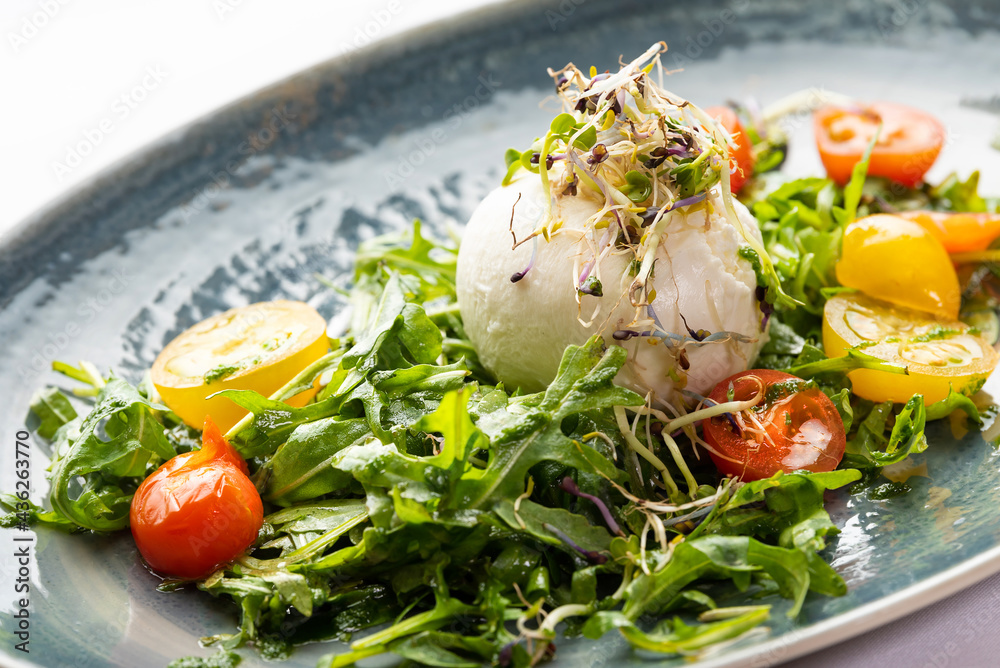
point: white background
(65, 66)
(114, 75)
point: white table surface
(67, 76)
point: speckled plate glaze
(255, 200)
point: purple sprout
(639, 135)
(598, 77)
(688, 201)
(589, 267)
(659, 154)
(650, 214)
(626, 334)
(699, 335)
(651, 312)
(517, 276)
(598, 154)
(549, 159)
(587, 102)
(656, 157)
(693, 515)
(568, 485)
(620, 100)
(506, 655)
(589, 555)
(710, 402)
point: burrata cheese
(704, 299)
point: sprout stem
(561, 613)
(643, 451)
(675, 452)
(710, 412)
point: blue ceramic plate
(255, 200)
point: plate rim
(868, 617)
(419, 37)
(780, 649)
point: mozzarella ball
(520, 329)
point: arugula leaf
(955, 401)
(435, 648)
(802, 228)
(754, 492)
(273, 421)
(782, 347)
(305, 530)
(854, 359)
(460, 438)
(684, 639)
(583, 382)
(907, 436)
(852, 191)
(869, 443)
(537, 517)
(301, 469)
(788, 567)
(397, 334)
(413, 254)
(797, 518)
(53, 410)
(953, 194)
(93, 477)
(34, 515)
(719, 555)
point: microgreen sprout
(589, 555)
(640, 152)
(518, 275)
(568, 485)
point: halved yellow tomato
(897, 260)
(258, 347)
(938, 353)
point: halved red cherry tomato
(794, 427)
(741, 157)
(197, 511)
(907, 146)
(958, 232)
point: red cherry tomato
(907, 146)
(197, 511)
(794, 427)
(958, 232)
(741, 158)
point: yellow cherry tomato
(898, 261)
(258, 347)
(938, 353)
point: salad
(616, 406)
